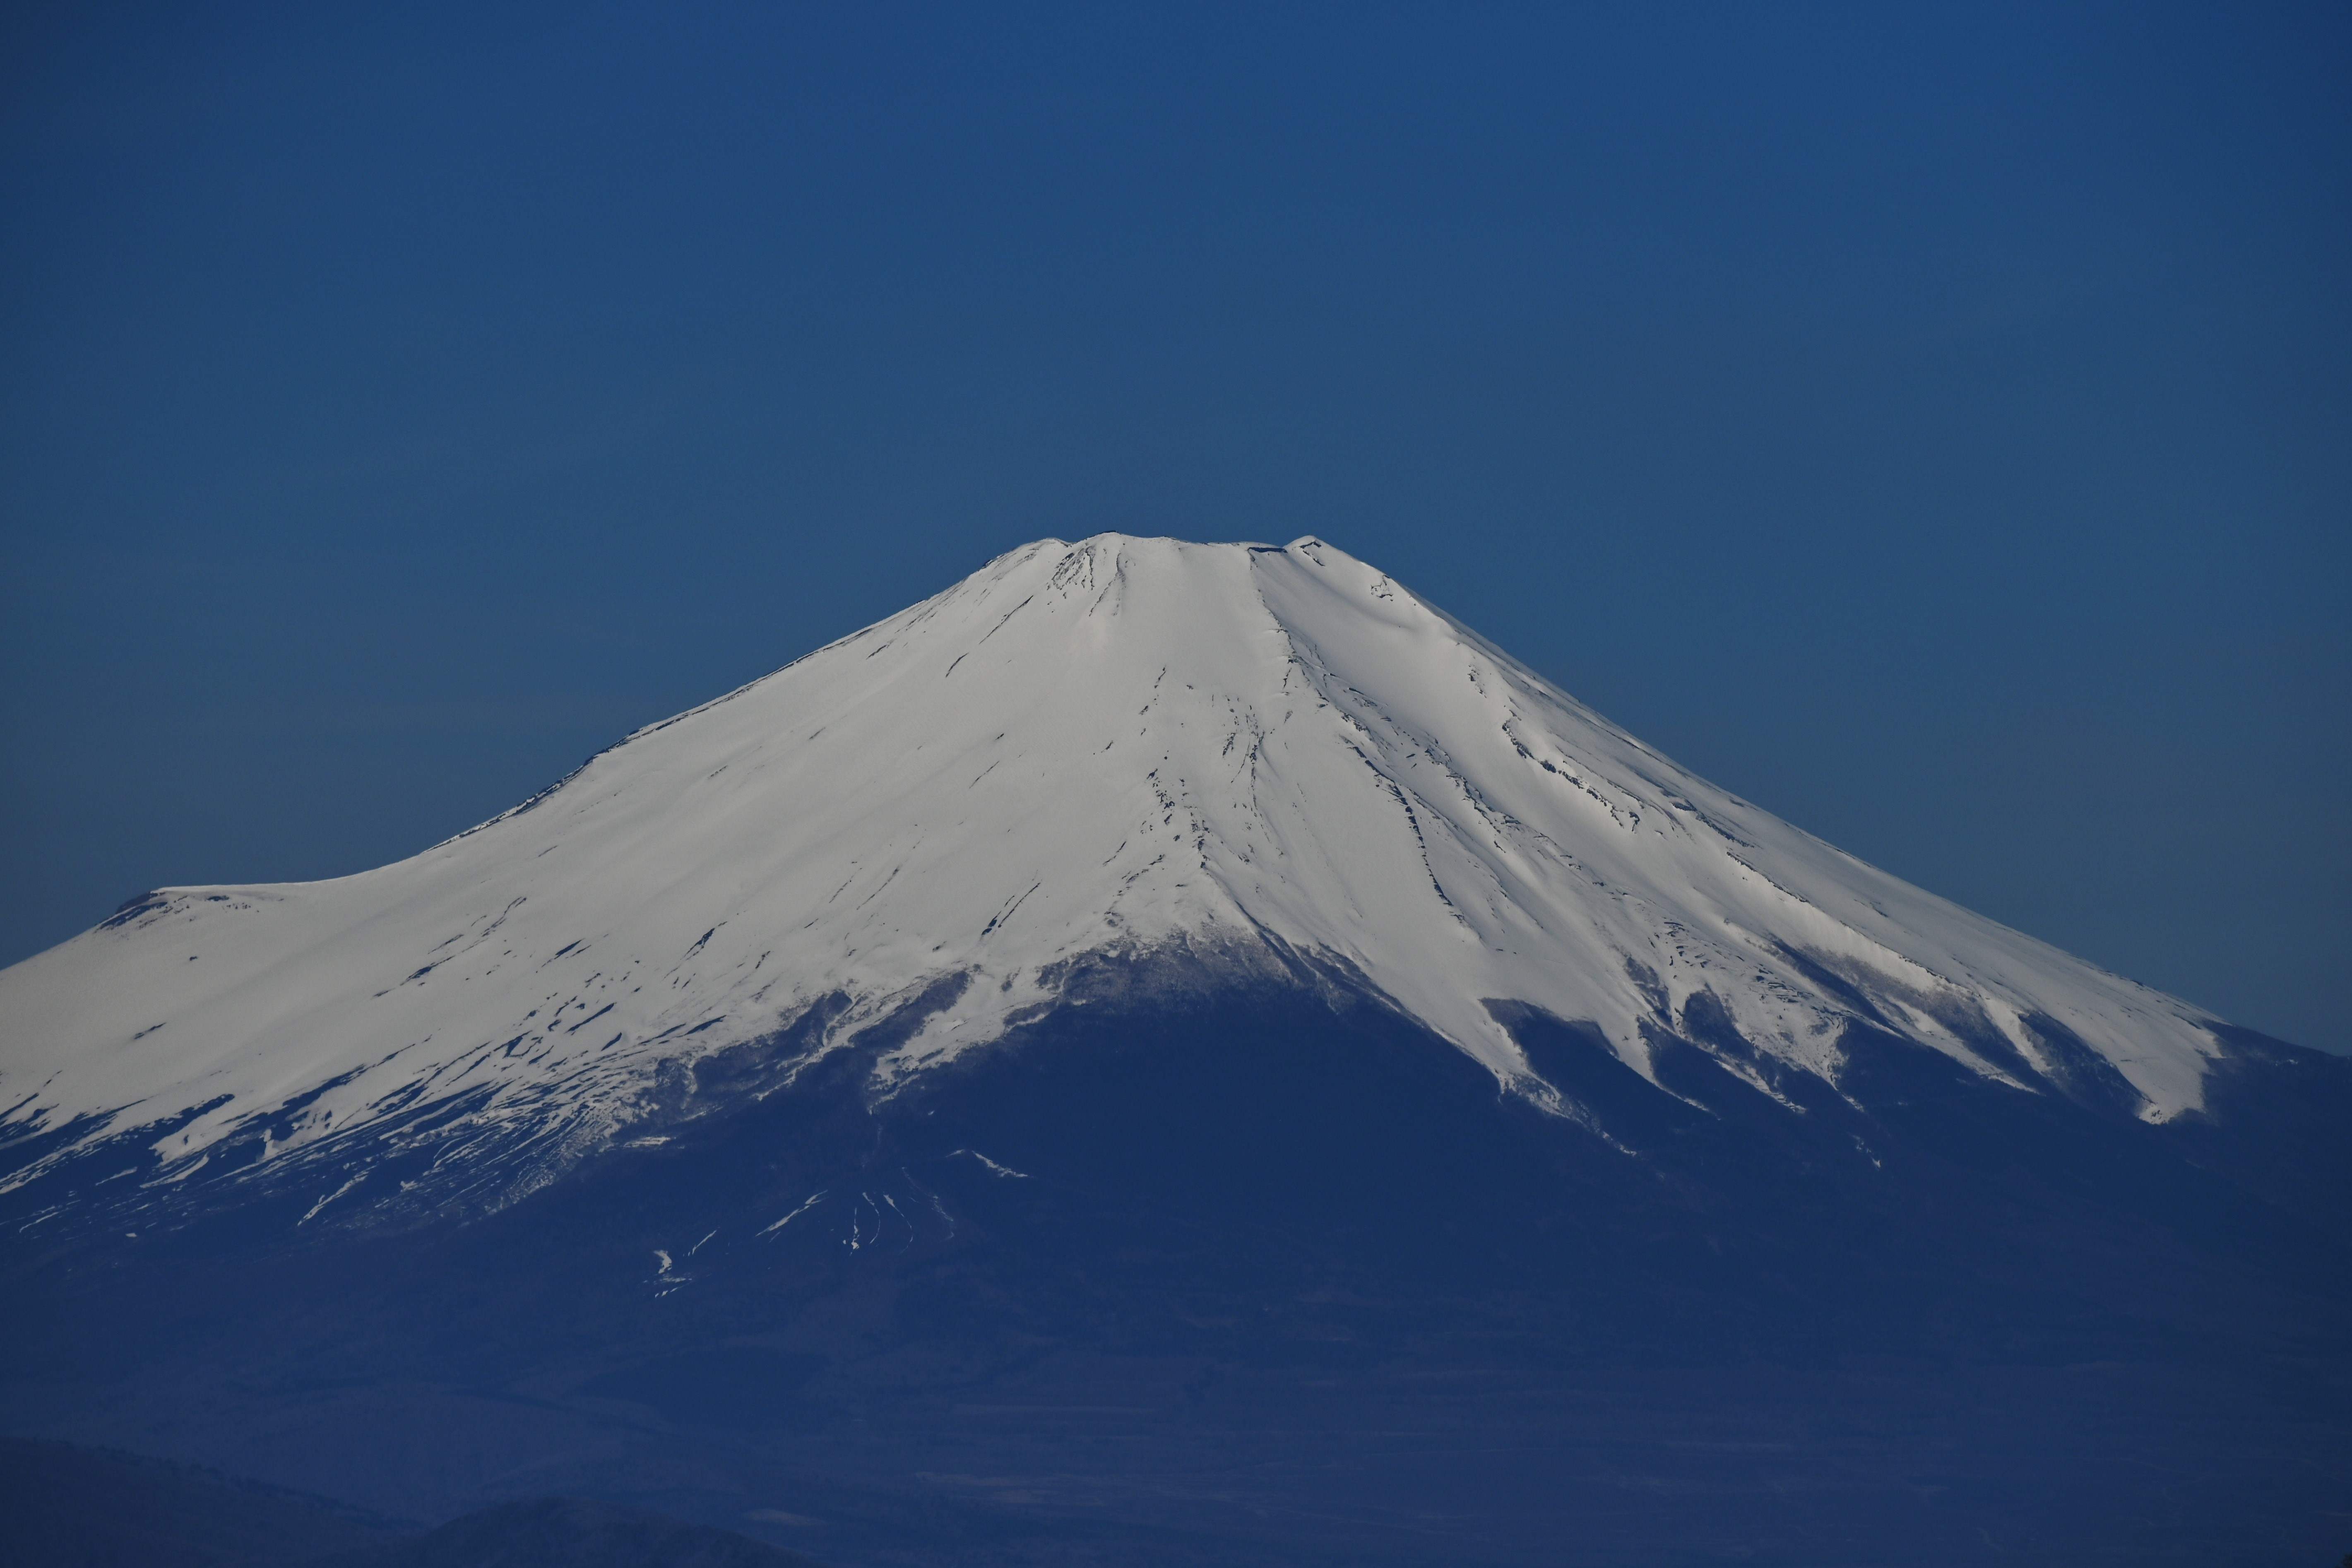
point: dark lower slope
(2278, 1122)
(1184, 1274)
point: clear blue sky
(1934, 423)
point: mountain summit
(1123, 746)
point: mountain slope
(1121, 746)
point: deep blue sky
(1933, 423)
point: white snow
(312, 1212)
(1114, 744)
(995, 1168)
(796, 1213)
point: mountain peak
(1118, 746)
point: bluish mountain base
(1192, 1271)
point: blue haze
(1936, 427)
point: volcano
(1179, 1052)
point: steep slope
(1255, 756)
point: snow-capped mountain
(1179, 1053)
(1120, 747)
